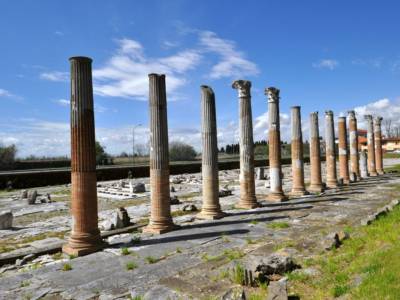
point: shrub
(7, 156)
(179, 151)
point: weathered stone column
(371, 146)
(211, 208)
(274, 146)
(85, 236)
(353, 137)
(160, 218)
(331, 175)
(363, 164)
(378, 145)
(246, 145)
(343, 154)
(298, 187)
(316, 185)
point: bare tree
(387, 124)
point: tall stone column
(378, 145)
(274, 139)
(353, 137)
(331, 175)
(211, 208)
(85, 236)
(298, 188)
(246, 146)
(363, 164)
(343, 154)
(160, 217)
(315, 155)
(371, 146)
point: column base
(207, 215)
(298, 193)
(160, 229)
(380, 172)
(247, 205)
(346, 181)
(332, 184)
(373, 174)
(316, 188)
(82, 251)
(277, 197)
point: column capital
(151, 75)
(351, 114)
(314, 113)
(207, 90)
(80, 59)
(329, 113)
(272, 94)
(341, 119)
(368, 118)
(243, 86)
(378, 120)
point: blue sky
(323, 55)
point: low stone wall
(53, 177)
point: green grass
(66, 267)
(238, 275)
(393, 168)
(254, 222)
(151, 259)
(391, 155)
(278, 225)
(371, 254)
(131, 265)
(125, 251)
(233, 254)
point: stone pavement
(189, 262)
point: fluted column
(246, 146)
(160, 215)
(316, 185)
(331, 175)
(298, 187)
(343, 153)
(85, 236)
(211, 208)
(274, 146)
(371, 146)
(363, 164)
(378, 145)
(353, 137)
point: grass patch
(233, 254)
(125, 251)
(151, 259)
(131, 265)
(371, 254)
(66, 267)
(278, 225)
(254, 222)
(238, 275)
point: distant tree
(101, 155)
(7, 156)
(124, 154)
(179, 151)
(222, 150)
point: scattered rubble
(6, 219)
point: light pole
(133, 142)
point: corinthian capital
(368, 118)
(329, 113)
(243, 87)
(351, 114)
(272, 94)
(378, 121)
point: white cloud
(59, 33)
(330, 64)
(62, 102)
(233, 62)
(126, 73)
(374, 62)
(54, 76)
(5, 93)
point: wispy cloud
(7, 94)
(54, 76)
(329, 64)
(372, 62)
(59, 33)
(232, 61)
(62, 102)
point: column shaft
(371, 146)
(274, 140)
(85, 235)
(211, 208)
(353, 137)
(160, 218)
(331, 175)
(246, 146)
(316, 185)
(343, 153)
(363, 164)
(378, 145)
(298, 187)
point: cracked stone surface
(187, 262)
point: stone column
(378, 145)
(211, 208)
(363, 164)
(315, 155)
(343, 154)
(298, 188)
(371, 146)
(331, 175)
(160, 217)
(353, 137)
(274, 139)
(85, 236)
(246, 146)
